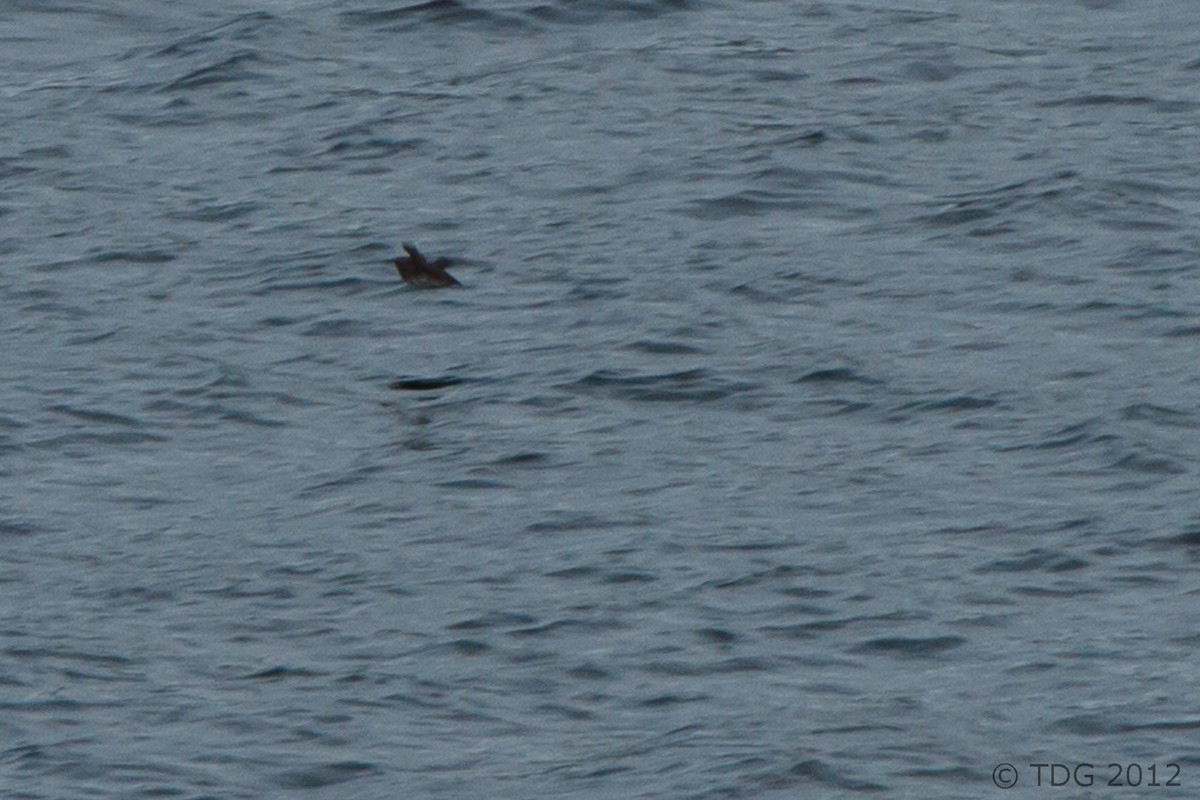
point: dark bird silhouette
(418, 271)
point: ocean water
(820, 416)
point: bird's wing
(412, 250)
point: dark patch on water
(281, 672)
(819, 773)
(524, 460)
(217, 212)
(227, 70)
(744, 204)
(338, 328)
(694, 385)
(1148, 464)
(910, 647)
(98, 417)
(599, 11)
(835, 375)
(1035, 561)
(322, 775)
(498, 619)
(958, 403)
(243, 28)
(9, 527)
(433, 12)
(134, 257)
(425, 384)
(662, 348)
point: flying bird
(418, 271)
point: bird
(419, 272)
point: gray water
(820, 417)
